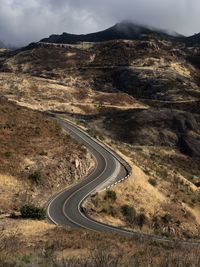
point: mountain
(123, 30)
(191, 40)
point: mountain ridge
(123, 30)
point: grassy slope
(36, 158)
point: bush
(152, 181)
(129, 213)
(35, 177)
(43, 153)
(141, 220)
(111, 211)
(8, 154)
(110, 194)
(13, 215)
(167, 218)
(32, 212)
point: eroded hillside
(153, 69)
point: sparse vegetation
(59, 247)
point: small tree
(129, 213)
(141, 220)
(152, 181)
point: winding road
(66, 207)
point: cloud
(23, 21)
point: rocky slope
(154, 69)
(158, 127)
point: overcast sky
(24, 21)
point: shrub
(152, 181)
(43, 153)
(35, 177)
(129, 213)
(167, 218)
(8, 154)
(141, 220)
(37, 131)
(13, 215)
(32, 212)
(110, 194)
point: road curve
(66, 207)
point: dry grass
(36, 158)
(44, 94)
(172, 193)
(41, 244)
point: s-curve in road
(66, 208)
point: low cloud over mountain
(26, 21)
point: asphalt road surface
(66, 208)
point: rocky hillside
(155, 69)
(158, 127)
(191, 40)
